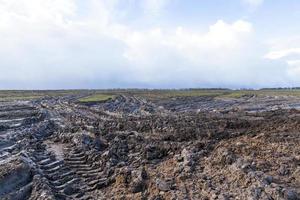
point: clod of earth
(129, 147)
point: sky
(95, 44)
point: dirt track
(131, 148)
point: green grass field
(7, 95)
(96, 98)
(218, 93)
(263, 92)
(102, 95)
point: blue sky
(61, 44)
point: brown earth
(131, 148)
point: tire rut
(63, 181)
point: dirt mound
(130, 148)
(128, 105)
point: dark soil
(131, 148)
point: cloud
(154, 7)
(293, 69)
(226, 55)
(254, 2)
(54, 43)
(93, 44)
(274, 55)
(151, 52)
(285, 50)
(48, 44)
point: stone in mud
(292, 195)
(14, 174)
(70, 190)
(3, 127)
(138, 177)
(164, 185)
(100, 144)
(138, 185)
(268, 180)
(153, 152)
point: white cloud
(274, 55)
(154, 7)
(51, 41)
(294, 69)
(188, 57)
(285, 50)
(75, 44)
(220, 43)
(254, 3)
(293, 62)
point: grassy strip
(96, 98)
(240, 93)
(33, 94)
(102, 95)
(161, 94)
(218, 93)
(15, 98)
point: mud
(132, 148)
